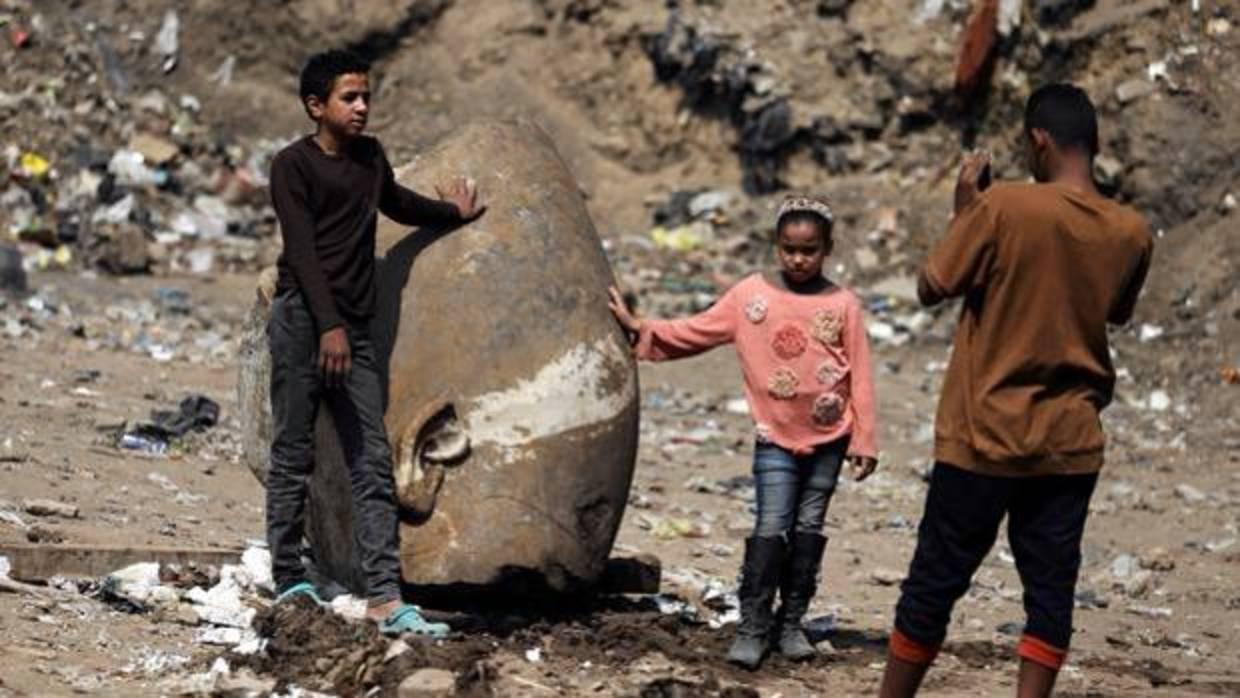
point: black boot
(764, 562)
(797, 587)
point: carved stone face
(504, 323)
(512, 393)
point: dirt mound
(676, 688)
(493, 649)
(314, 648)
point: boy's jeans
(793, 491)
(357, 408)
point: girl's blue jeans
(793, 491)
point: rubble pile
(106, 164)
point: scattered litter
(1157, 71)
(130, 169)
(34, 165)
(144, 444)
(222, 604)
(223, 75)
(153, 662)
(820, 626)
(12, 272)
(257, 563)
(197, 413)
(1150, 611)
(163, 481)
(1218, 546)
(14, 520)
(1091, 599)
(349, 606)
(132, 587)
(683, 238)
(1124, 566)
(226, 636)
(670, 605)
(1189, 494)
(167, 45)
(669, 529)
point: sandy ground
(1169, 635)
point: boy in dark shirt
(326, 189)
(1042, 267)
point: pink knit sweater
(805, 358)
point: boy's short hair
(321, 70)
(1066, 113)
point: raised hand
(620, 309)
(968, 183)
(462, 192)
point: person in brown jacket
(1042, 269)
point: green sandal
(408, 619)
(305, 589)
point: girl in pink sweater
(806, 362)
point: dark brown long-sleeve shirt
(1042, 268)
(327, 207)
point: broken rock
(50, 507)
(885, 577)
(1132, 90)
(1158, 560)
(126, 252)
(428, 683)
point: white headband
(805, 203)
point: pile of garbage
(778, 101)
(216, 601)
(230, 608)
(105, 165)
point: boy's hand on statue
(462, 193)
(967, 183)
(620, 309)
(862, 466)
(335, 357)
